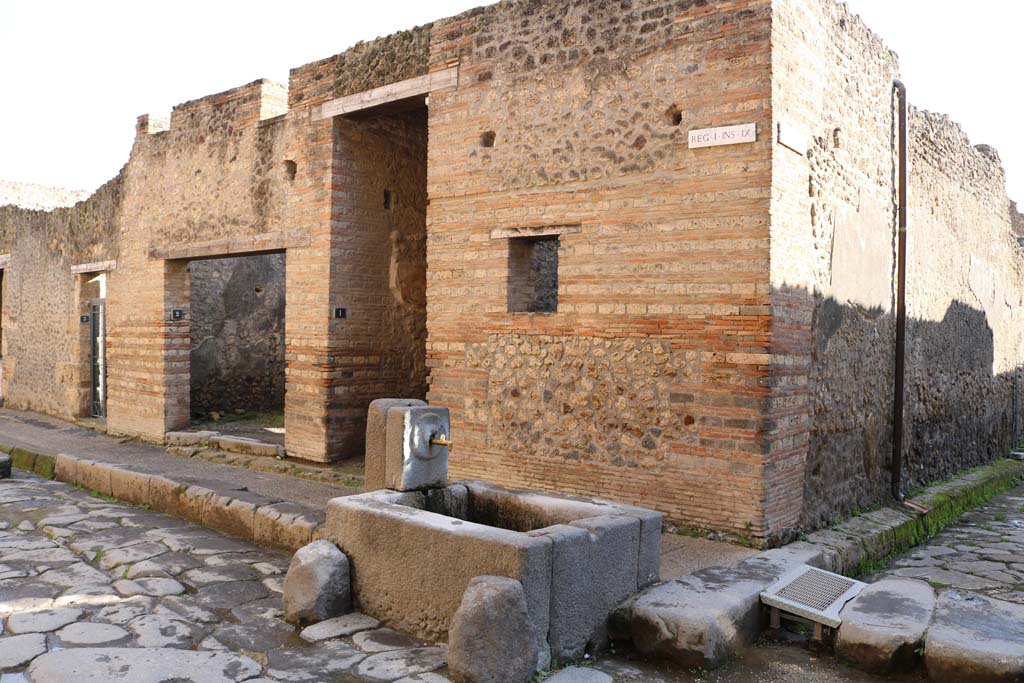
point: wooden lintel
(232, 246)
(393, 92)
(95, 267)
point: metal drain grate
(813, 594)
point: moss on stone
(44, 466)
(22, 459)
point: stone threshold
(260, 456)
(676, 620)
(249, 516)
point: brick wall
(646, 385)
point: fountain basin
(413, 554)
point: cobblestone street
(983, 552)
(95, 590)
(92, 590)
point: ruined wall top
(229, 111)
(38, 197)
(364, 66)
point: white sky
(74, 74)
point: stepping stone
(43, 621)
(679, 621)
(85, 634)
(884, 626)
(17, 651)
(383, 640)
(157, 630)
(338, 627)
(579, 674)
(387, 666)
(975, 639)
(142, 665)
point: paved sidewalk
(48, 435)
(982, 553)
(94, 591)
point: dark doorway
(98, 394)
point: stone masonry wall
(833, 266)
(238, 318)
(45, 367)
(965, 306)
(646, 384)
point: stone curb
(676, 620)
(251, 517)
(862, 543)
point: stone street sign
(727, 135)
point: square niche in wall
(533, 274)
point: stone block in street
(318, 585)
(703, 619)
(884, 626)
(975, 639)
(490, 639)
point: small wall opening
(487, 138)
(237, 359)
(290, 169)
(533, 274)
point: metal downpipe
(901, 294)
